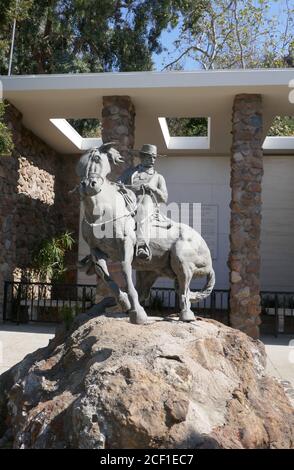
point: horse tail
(206, 291)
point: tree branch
(182, 55)
(238, 35)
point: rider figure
(150, 190)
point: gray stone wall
(245, 225)
(35, 204)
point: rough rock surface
(110, 384)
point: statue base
(107, 383)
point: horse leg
(183, 271)
(144, 282)
(145, 210)
(101, 270)
(137, 312)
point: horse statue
(109, 229)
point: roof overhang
(43, 98)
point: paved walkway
(280, 357)
(16, 341)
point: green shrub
(67, 315)
(48, 260)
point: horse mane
(113, 155)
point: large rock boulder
(107, 383)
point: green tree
(187, 127)
(86, 127)
(6, 144)
(237, 34)
(68, 36)
(282, 126)
(10, 10)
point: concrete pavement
(280, 360)
(16, 341)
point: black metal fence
(163, 300)
(46, 302)
(277, 312)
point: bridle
(93, 158)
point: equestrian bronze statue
(122, 223)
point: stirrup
(143, 252)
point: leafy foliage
(187, 127)
(6, 144)
(48, 260)
(282, 126)
(68, 314)
(86, 127)
(237, 34)
(68, 36)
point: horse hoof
(187, 315)
(138, 317)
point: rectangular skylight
(180, 142)
(71, 134)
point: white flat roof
(41, 98)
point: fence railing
(46, 302)
(277, 312)
(215, 306)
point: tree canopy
(236, 34)
(68, 36)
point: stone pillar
(245, 226)
(118, 125)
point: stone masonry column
(245, 226)
(118, 124)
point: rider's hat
(149, 149)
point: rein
(130, 213)
(94, 224)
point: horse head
(94, 166)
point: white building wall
(206, 180)
(277, 235)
